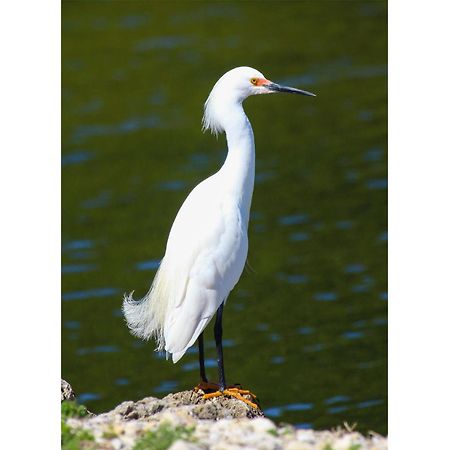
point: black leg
(201, 358)
(218, 337)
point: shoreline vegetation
(185, 421)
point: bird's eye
(253, 81)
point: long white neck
(238, 170)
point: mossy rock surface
(191, 402)
(187, 421)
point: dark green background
(305, 328)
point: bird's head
(234, 87)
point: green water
(305, 328)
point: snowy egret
(207, 245)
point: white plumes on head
(209, 121)
(232, 87)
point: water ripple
(226, 343)
(299, 237)
(274, 337)
(133, 21)
(374, 154)
(378, 183)
(332, 71)
(293, 279)
(337, 409)
(162, 43)
(277, 359)
(367, 364)
(305, 330)
(313, 348)
(277, 411)
(77, 157)
(166, 386)
(365, 116)
(88, 397)
(98, 349)
(344, 224)
(151, 264)
(369, 403)
(172, 185)
(238, 306)
(78, 244)
(90, 293)
(261, 177)
(355, 268)
(131, 125)
(364, 286)
(337, 399)
(102, 200)
(325, 297)
(294, 219)
(72, 324)
(351, 335)
(199, 160)
(91, 106)
(383, 237)
(379, 321)
(76, 255)
(188, 367)
(78, 268)
(360, 324)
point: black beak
(278, 88)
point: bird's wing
(206, 253)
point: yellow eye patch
(254, 81)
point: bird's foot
(239, 394)
(212, 390)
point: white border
(30, 232)
(419, 225)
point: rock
(219, 423)
(296, 445)
(66, 391)
(141, 409)
(191, 403)
(183, 445)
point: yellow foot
(231, 391)
(238, 393)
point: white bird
(207, 246)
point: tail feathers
(145, 317)
(139, 320)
